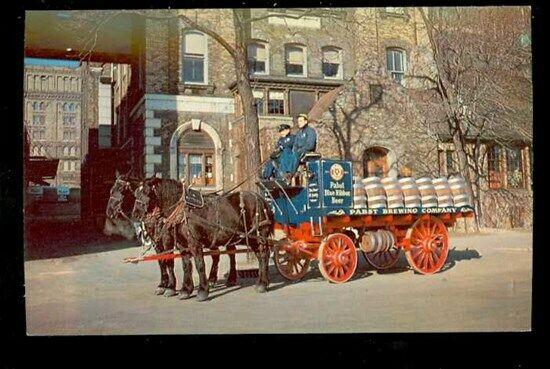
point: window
(276, 103)
(38, 134)
(395, 59)
(259, 101)
(196, 158)
(450, 162)
(68, 135)
(295, 61)
(375, 93)
(71, 107)
(42, 106)
(514, 167)
(494, 155)
(394, 10)
(332, 62)
(375, 162)
(258, 58)
(194, 55)
(35, 105)
(38, 119)
(301, 102)
(66, 151)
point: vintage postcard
(281, 170)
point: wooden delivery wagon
(324, 219)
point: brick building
(177, 109)
(52, 114)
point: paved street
(486, 286)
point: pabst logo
(336, 172)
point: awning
(324, 102)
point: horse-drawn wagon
(324, 220)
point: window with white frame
(396, 64)
(258, 58)
(194, 58)
(259, 101)
(332, 62)
(296, 60)
(276, 103)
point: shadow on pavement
(46, 240)
(459, 255)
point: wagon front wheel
(429, 245)
(290, 262)
(337, 258)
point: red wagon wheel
(429, 245)
(337, 258)
(290, 262)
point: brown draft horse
(154, 213)
(227, 220)
(119, 220)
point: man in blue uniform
(283, 160)
(305, 139)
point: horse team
(158, 212)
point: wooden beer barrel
(458, 189)
(411, 193)
(376, 196)
(394, 193)
(428, 196)
(443, 190)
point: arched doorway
(196, 155)
(375, 162)
(196, 158)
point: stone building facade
(52, 114)
(177, 108)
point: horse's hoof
(184, 295)
(260, 288)
(212, 283)
(160, 291)
(202, 296)
(169, 292)
(231, 283)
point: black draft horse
(155, 212)
(227, 220)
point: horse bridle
(119, 199)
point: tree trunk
(252, 156)
(459, 144)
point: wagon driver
(283, 160)
(305, 139)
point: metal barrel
(443, 190)
(376, 196)
(427, 192)
(411, 193)
(394, 193)
(458, 190)
(378, 241)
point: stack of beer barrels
(389, 192)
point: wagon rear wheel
(383, 259)
(429, 242)
(290, 262)
(337, 258)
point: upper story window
(332, 62)
(394, 10)
(194, 57)
(296, 61)
(258, 58)
(396, 64)
(38, 119)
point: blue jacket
(305, 141)
(286, 142)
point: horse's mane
(169, 192)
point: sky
(52, 62)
